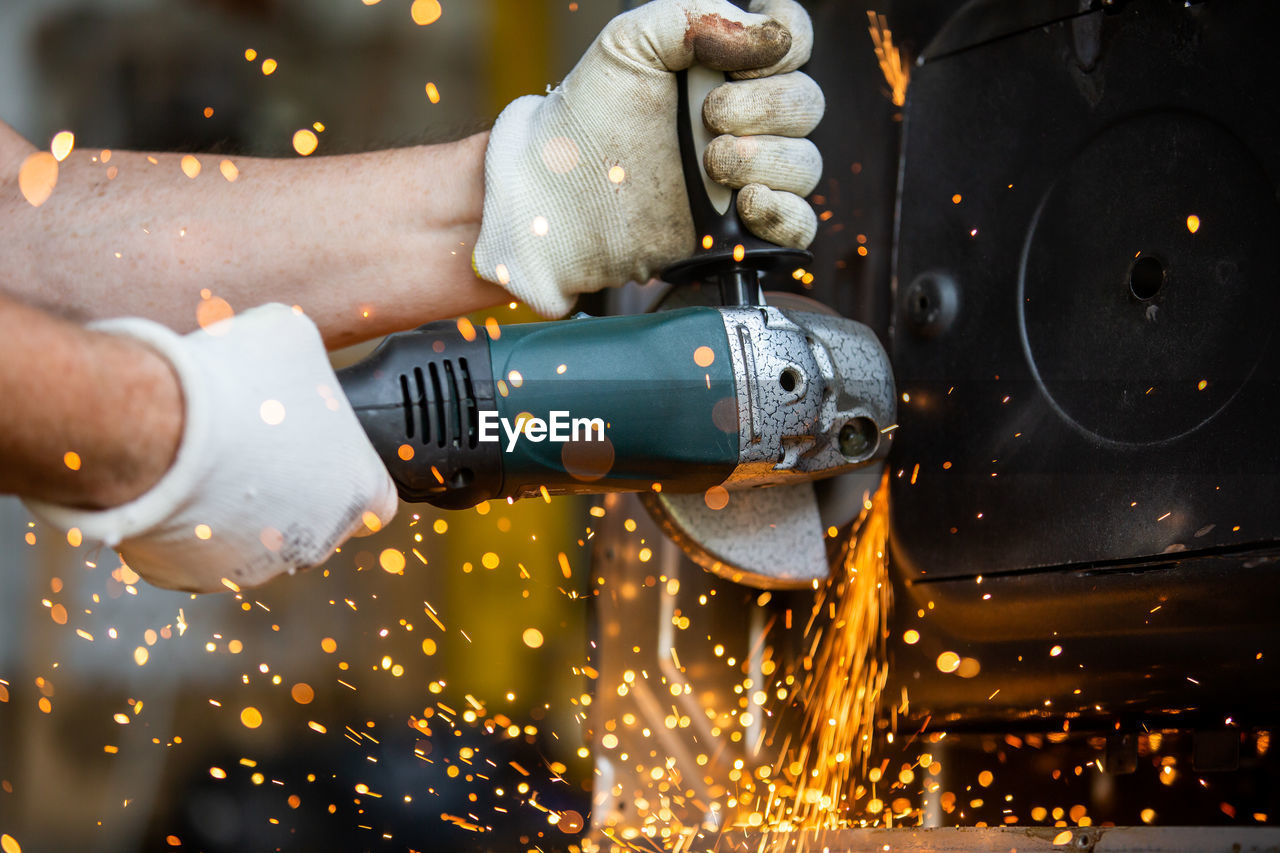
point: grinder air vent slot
(472, 407)
(454, 410)
(407, 403)
(437, 407)
(424, 415)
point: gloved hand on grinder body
(584, 187)
(273, 470)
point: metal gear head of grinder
(753, 398)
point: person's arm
(579, 190)
(228, 454)
(86, 419)
(387, 234)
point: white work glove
(584, 187)
(273, 471)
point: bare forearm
(366, 243)
(87, 419)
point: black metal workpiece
(1083, 336)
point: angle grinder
(700, 407)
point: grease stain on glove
(726, 45)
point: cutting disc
(771, 538)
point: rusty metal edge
(1013, 839)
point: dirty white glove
(273, 470)
(584, 187)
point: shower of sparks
(894, 65)
(788, 752)
(817, 783)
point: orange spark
(37, 177)
(894, 65)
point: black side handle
(727, 254)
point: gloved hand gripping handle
(671, 419)
(726, 253)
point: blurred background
(142, 73)
(441, 707)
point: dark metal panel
(1106, 389)
(1170, 642)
